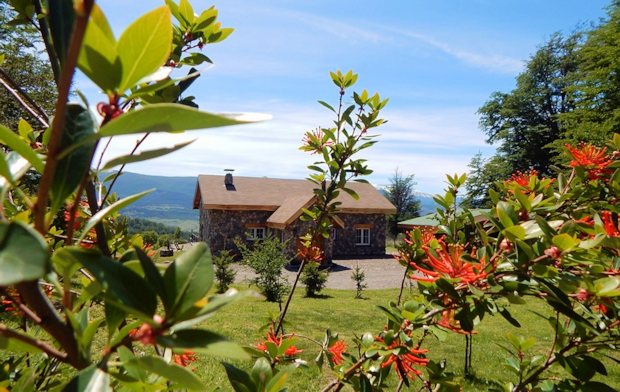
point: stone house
(252, 208)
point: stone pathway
(381, 273)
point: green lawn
(351, 317)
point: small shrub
(224, 274)
(360, 281)
(314, 278)
(266, 258)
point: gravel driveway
(381, 273)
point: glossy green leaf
(514, 233)
(98, 58)
(144, 155)
(277, 382)
(90, 379)
(213, 304)
(177, 374)
(12, 167)
(565, 241)
(261, 373)
(239, 379)
(23, 253)
(169, 117)
(144, 46)
(203, 341)
(187, 280)
(112, 208)
(72, 167)
(607, 287)
(152, 275)
(12, 141)
(187, 12)
(123, 287)
(61, 16)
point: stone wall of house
(344, 243)
(219, 228)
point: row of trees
(569, 92)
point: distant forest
(140, 225)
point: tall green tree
(400, 193)
(24, 67)
(596, 92)
(482, 177)
(524, 122)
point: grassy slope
(352, 317)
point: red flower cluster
(521, 179)
(611, 228)
(312, 253)
(271, 337)
(316, 141)
(404, 363)
(446, 261)
(449, 322)
(184, 359)
(146, 334)
(336, 350)
(593, 159)
(78, 220)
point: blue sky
(437, 61)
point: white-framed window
(362, 236)
(256, 233)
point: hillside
(171, 202)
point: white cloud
(427, 144)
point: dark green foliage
(359, 277)
(150, 237)
(224, 274)
(24, 65)
(400, 194)
(139, 225)
(482, 178)
(597, 89)
(314, 278)
(266, 258)
(524, 121)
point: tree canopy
(400, 193)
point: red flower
(521, 179)
(448, 263)
(270, 337)
(316, 141)
(184, 359)
(611, 228)
(336, 351)
(449, 322)
(404, 363)
(593, 159)
(292, 351)
(312, 253)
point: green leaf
(187, 280)
(123, 287)
(169, 117)
(12, 167)
(351, 193)
(514, 233)
(144, 46)
(61, 17)
(261, 373)
(144, 155)
(23, 253)
(172, 372)
(12, 141)
(239, 379)
(89, 379)
(187, 12)
(607, 287)
(112, 208)
(98, 58)
(279, 379)
(565, 241)
(152, 275)
(327, 106)
(203, 341)
(73, 166)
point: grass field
(351, 317)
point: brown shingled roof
(271, 194)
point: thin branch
(47, 40)
(43, 346)
(24, 99)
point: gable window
(362, 236)
(256, 233)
